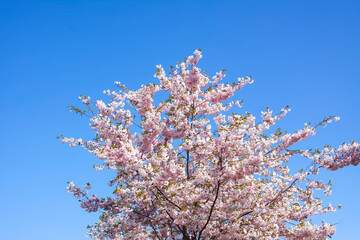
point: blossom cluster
(187, 168)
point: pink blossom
(188, 168)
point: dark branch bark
(187, 164)
(156, 234)
(175, 224)
(167, 199)
(273, 200)
(211, 211)
(283, 191)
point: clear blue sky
(301, 53)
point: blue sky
(300, 53)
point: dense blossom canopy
(194, 170)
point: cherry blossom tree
(188, 168)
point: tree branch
(211, 210)
(187, 164)
(168, 198)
